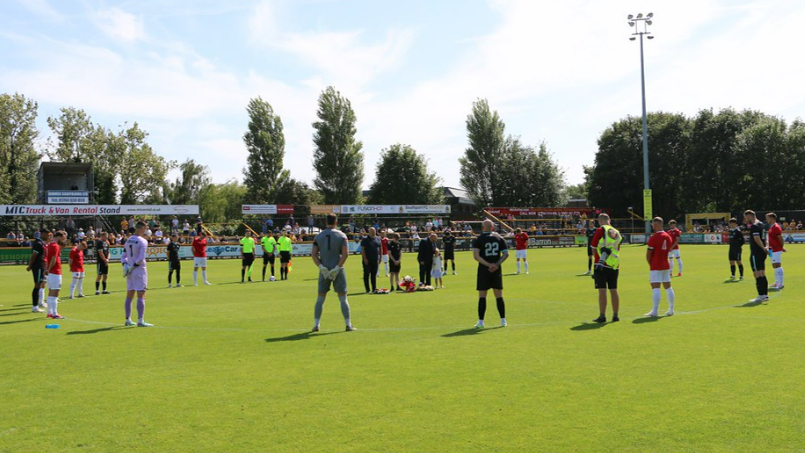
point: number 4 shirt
(661, 243)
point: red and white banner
(269, 209)
(45, 210)
(554, 213)
(396, 209)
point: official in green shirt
(246, 255)
(269, 244)
(286, 248)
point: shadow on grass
(647, 319)
(469, 332)
(101, 329)
(751, 304)
(18, 308)
(732, 281)
(19, 312)
(300, 336)
(588, 326)
(584, 275)
(20, 321)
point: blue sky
(556, 71)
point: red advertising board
(547, 213)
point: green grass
(230, 368)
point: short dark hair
(332, 219)
(517, 230)
(59, 234)
(733, 220)
(140, 224)
(750, 212)
(772, 215)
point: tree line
(724, 161)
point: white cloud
(120, 25)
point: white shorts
(78, 275)
(199, 262)
(384, 258)
(673, 254)
(521, 254)
(777, 257)
(660, 276)
(54, 281)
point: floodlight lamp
(650, 15)
(650, 37)
(648, 22)
(630, 17)
(632, 38)
(631, 24)
(640, 16)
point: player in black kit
(736, 248)
(591, 229)
(449, 246)
(102, 259)
(174, 263)
(757, 247)
(490, 250)
(37, 267)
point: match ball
(272, 279)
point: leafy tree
(222, 202)
(193, 178)
(18, 156)
(480, 174)
(142, 172)
(532, 178)
(72, 130)
(338, 159)
(264, 175)
(576, 191)
(402, 177)
(761, 150)
(547, 180)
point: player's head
(395, 236)
(517, 231)
(603, 218)
(382, 233)
(592, 223)
(248, 233)
(175, 237)
(733, 222)
(60, 237)
(45, 234)
(749, 216)
(771, 218)
(433, 237)
(332, 220)
(447, 232)
(487, 226)
(202, 235)
(657, 223)
(139, 229)
(104, 235)
(82, 244)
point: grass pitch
(231, 367)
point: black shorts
(38, 274)
(103, 268)
(590, 250)
(489, 280)
(394, 268)
(174, 265)
(449, 255)
(268, 258)
(606, 278)
(758, 262)
(248, 259)
(735, 254)
(285, 257)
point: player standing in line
(449, 246)
(675, 234)
(370, 253)
(591, 229)
(102, 262)
(384, 253)
(53, 268)
(36, 264)
(395, 256)
(269, 245)
(490, 251)
(775, 245)
(330, 252)
(286, 250)
(757, 248)
(736, 248)
(521, 248)
(607, 243)
(659, 245)
(200, 258)
(76, 263)
(174, 263)
(246, 255)
(136, 275)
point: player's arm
(140, 258)
(344, 254)
(70, 260)
(676, 241)
(363, 254)
(476, 254)
(34, 254)
(758, 241)
(315, 255)
(52, 262)
(649, 254)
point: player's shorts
(521, 254)
(450, 255)
(339, 284)
(489, 280)
(54, 281)
(590, 251)
(384, 258)
(663, 276)
(248, 259)
(199, 262)
(38, 274)
(137, 280)
(673, 254)
(268, 258)
(395, 268)
(78, 275)
(103, 267)
(606, 278)
(174, 265)
(285, 257)
(735, 254)
(777, 257)
(758, 262)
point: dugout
(65, 183)
(706, 217)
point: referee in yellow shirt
(246, 255)
(286, 248)
(269, 245)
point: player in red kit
(774, 243)
(384, 252)
(675, 234)
(200, 258)
(659, 246)
(521, 248)
(53, 267)
(77, 268)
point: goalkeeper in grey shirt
(330, 252)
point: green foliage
(72, 130)
(222, 202)
(264, 175)
(576, 191)
(479, 172)
(338, 159)
(18, 156)
(402, 177)
(187, 187)
(142, 172)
